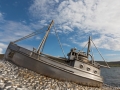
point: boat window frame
(88, 69)
(95, 71)
(81, 66)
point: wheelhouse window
(72, 53)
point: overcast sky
(74, 20)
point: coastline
(111, 64)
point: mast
(89, 44)
(45, 37)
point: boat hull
(48, 67)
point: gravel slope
(13, 77)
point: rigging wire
(44, 38)
(59, 41)
(100, 54)
(43, 46)
(27, 36)
(92, 52)
(92, 55)
(84, 46)
(30, 35)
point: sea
(111, 76)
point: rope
(59, 42)
(100, 54)
(30, 35)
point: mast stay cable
(30, 35)
(59, 41)
(38, 32)
(84, 46)
(44, 38)
(100, 54)
(92, 55)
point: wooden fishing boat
(76, 68)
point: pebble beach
(13, 77)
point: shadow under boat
(76, 68)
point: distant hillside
(1, 56)
(111, 64)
